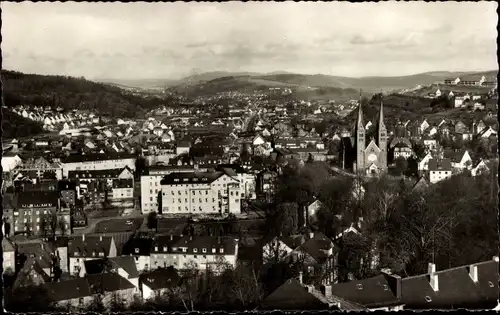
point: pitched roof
(292, 295)
(373, 292)
(76, 158)
(90, 246)
(111, 173)
(68, 290)
(456, 288)
(160, 278)
(45, 199)
(443, 165)
(108, 282)
(138, 247)
(98, 266)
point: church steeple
(382, 136)
(360, 139)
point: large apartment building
(98, 161)
(200, 193)
(150, 184)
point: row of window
(195, 250)
(179, 208)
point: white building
(99, 161)
(423, 165)
(200, 193)
(150, 184)
(10, 161)
(81, 249)
(199, 252)
(439, 170)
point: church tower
(382, 138)
(360, 141)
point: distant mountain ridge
(372, 84)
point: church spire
(360, 112)
(381, 115)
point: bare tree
(62, 224)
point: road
(92, 225)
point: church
(370, 154)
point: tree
(401, 165)
(321, 127)
(287, 217)
(28, 299)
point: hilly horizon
(372, 84)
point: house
(432, 130)
(452, 81)
(74, 293)
(401, 146)
(438, 93)
(423, 165)
(33, 207)
(486, 133)
(182, 147)
(459, 159)
(122, 188)
(278, 248)
(9, 257)
(423, 126)
(86, 247)
(439, 170)
(293, 295)
(480, 168)
(429, 143)
(317, 255)
(460, 127)
(33, 273)
(140, 250)
(112, 287)
(472, 286)
(122, 265)
(158, 282)
(478, 127)
(379, 293)
(10, 161)
(98, 161)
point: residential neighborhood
(248, 191)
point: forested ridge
(73, 93)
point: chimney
(311, 234)
(83, 237)
(171, 237)
(433, 277)
(473, 274)
(495, 258)
(100, 238)
(300, 277)
(328, 291)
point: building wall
(80, 263)
(9, 261)
(436, 176)
(98, 165)
(32, 217)
(202, 198)
(76, 303)
(142, 263)
(122, 193)
(150, 187)
(62, 252)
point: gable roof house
(294, 295)
(460, 160)
(472, 287)
(86, 247)
(158, 282)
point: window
(213, 250)
(428, 299)
(221, 250)
(137, 250)
(359, 286)
(164, 248)
(386, 287)
(156, 248)
(76, 254)
(195, 250)
(491, 284)
(204, 250)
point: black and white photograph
(249, 156)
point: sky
(173, 40)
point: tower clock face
(372, 157)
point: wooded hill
(72, 93)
